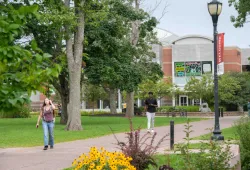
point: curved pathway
(34, 158)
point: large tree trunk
(112, 100)
(130, 104)
(74, 116)
(134, 41)
(74, 58)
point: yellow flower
(98, 167)
(74, 162)
(99, 159)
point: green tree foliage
(228, 88)
(200, 88)
(22, 67)
(234, 88)
(110, 53)
(112, 60)
(243, 9)
(92, 93)
(48, 32)
(162, 88)
(60, 31)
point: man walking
(150, 107)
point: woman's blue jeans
(48, 133)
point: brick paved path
(34, 158)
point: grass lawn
(228, 133)
(174, 160)
(23, 133)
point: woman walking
(48, 120)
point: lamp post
(215, 8)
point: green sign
(179, 69)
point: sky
(186, 17)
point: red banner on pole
(220, 53)
(220, 48)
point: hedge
(178, 108)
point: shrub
(20, 112)
(216, 157)
(88, 113)
(140, 149)
(243, 131)
(102, 160)
(212, 108)
(141, 108)
(178, 108)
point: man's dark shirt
(148, 102)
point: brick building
(192, 55)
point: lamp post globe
(214, 9)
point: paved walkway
(34, 158)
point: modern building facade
(192, 56)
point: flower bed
(102, 160)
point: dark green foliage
(111, 59)
(22, 68)
(243, 131)
(20, 112)
(234, 88)
(178, 108)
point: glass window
(183, 101)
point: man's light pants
(151, 120)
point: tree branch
(158, 4)
(69, 42)
(164, 11)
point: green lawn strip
(196, 145)
(174, 160)
(23, 133)
(228, 133)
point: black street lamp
(215, 9)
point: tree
(243, 9)
(162, 88)
(107, 46)
(65, 24)
(142, 36)
(74, 52)
(22, 66)
(93, 93)
(48, 32)
(201, 88)
(113, 61)
(228, 88)
(49, 40)
(235, 88)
